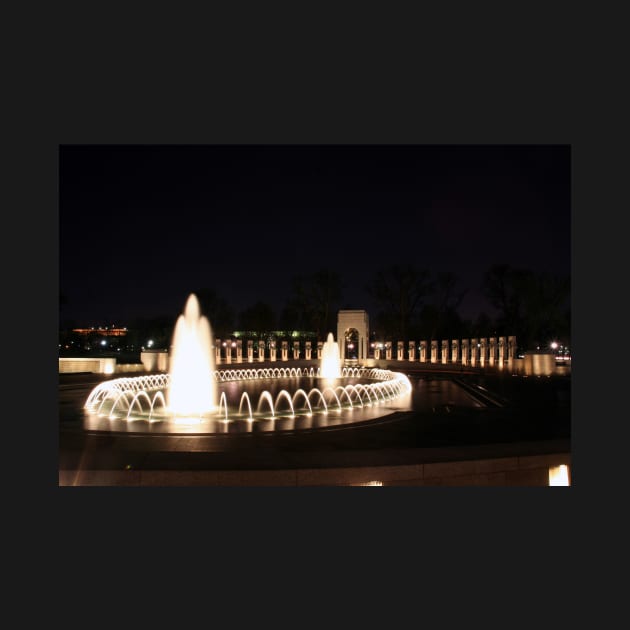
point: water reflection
(426, 393)
(245, 425)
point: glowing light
(188, 393)
(192, 391)
(331, 359)
(559, 475)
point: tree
(531, 305)
(545, 317)
(440, 319)
(219, 313)
(482, 326)
(325, 292)
(312, 301)
(158, 329)
(500, 286)
(400, 290)
(259, 317)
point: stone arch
(358, 320)
(351, 342)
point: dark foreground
(465, 428)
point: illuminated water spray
(189, 393)
(331, 359)
(192, 390)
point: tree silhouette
(325, 292)
(531, 305)
(219, 313)
(259, 317)
(500, 286)
(440, 318)
(312, 301)
(400, 291)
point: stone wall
(518, 470)
(95, 365)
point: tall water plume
(192, 390)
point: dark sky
(141, 227)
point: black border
(500, 92)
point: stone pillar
(239, 351)
(377, 352)
(434, 351)
(493, 351)
(444, 351)
(400, 350)
(285, 350)
(502, 351)
(307, 350)
(511, 351)
(465, 351)
(411, 356)
(423, 351)
(511, 348)
(272, 351)
(474, 352)
(261, 351)
(228, 351)
(250, 351)
(483, 351)
(296, 350)
(455, 351)
(388, 350)
(320, 346)
(217, 351)
(363, 348)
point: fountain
(194, 397)
(331, 359)
(191, 391)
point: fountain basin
(250, 400)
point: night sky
(141, 227)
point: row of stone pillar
(482, 351)
(232, 351)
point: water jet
(194, 397)
(331, 359)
